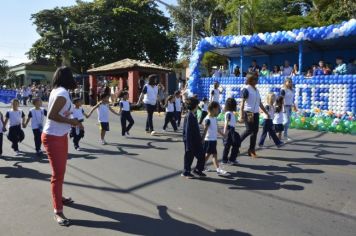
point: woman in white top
(149, 97)
(250, 108)
(55, 137)
(215, 93)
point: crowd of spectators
(322, 68)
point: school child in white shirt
(77, 132)
(2, 129)
(37, 115)
(170, 115)
(178, 107)
(232, 141)
(279, 117)
(16, 118)
(125, 112)
(210, 135)
(268, 122)
(103, 108)
(204, 110)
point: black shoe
(199, 173)
(187, 175)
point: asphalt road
(132, 187)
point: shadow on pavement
(22, 172)
(144, 225)
(252, 181)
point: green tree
(4, 68)
(104, 31)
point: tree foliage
(220, 17)
(4, 68)
(104, 31)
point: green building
(33, 72)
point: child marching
(232, 142)
(279, 117)
(210, 135)
(103, 108)
(15, 117)
(77, 132)
(268, 127)
(192, 141)
(170, 114)
(125, 112)
(37, 115)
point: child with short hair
(16, 118)
(233, 141)
(103, 108)
(204, 110)
(210, 135)
(125, 112)
(37, 115)
(77, 132)
(268, 122)
(279, 117)
(192, 141)
(170, 115)
(178, 107)
(2, 129)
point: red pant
(57, 151)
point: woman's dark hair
(191, 103)
(279, 104)
(63, 77)
(230, 104)
(123, 93)
(251, 77)
(104, 95)
(213, 105)
(152, 79)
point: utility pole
(240, 11)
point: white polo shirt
(278, 118)
(212, 132)
(103, 113)
(270, 110)
(215, 93)
(288, 95)
(229, 115)
(125, 105)
(253, 99)
(37, 117)
(78, 113)
(178, 104)
(170, 107)
(150, 94)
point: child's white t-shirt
(103, 113)
(37, 117)
(15, 117)
(278, 118)
(125, 105)
(212, 132)
(178, 104)
(170, 107)
(78, 113)
(230, 116)
(270, 110)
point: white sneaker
(17, 153)
(221, 171)
(103, 142)
(127, 135)
(78, 149)
(207, 170)
(153, 133)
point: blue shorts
(104, 126)
(279, 128)
(210, 147)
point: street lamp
(240, 11)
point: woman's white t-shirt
(288, 95)
(53, 127)
(103, 113)
(215, 93)
(151, 93)
(253, 99)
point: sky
(17, 31)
